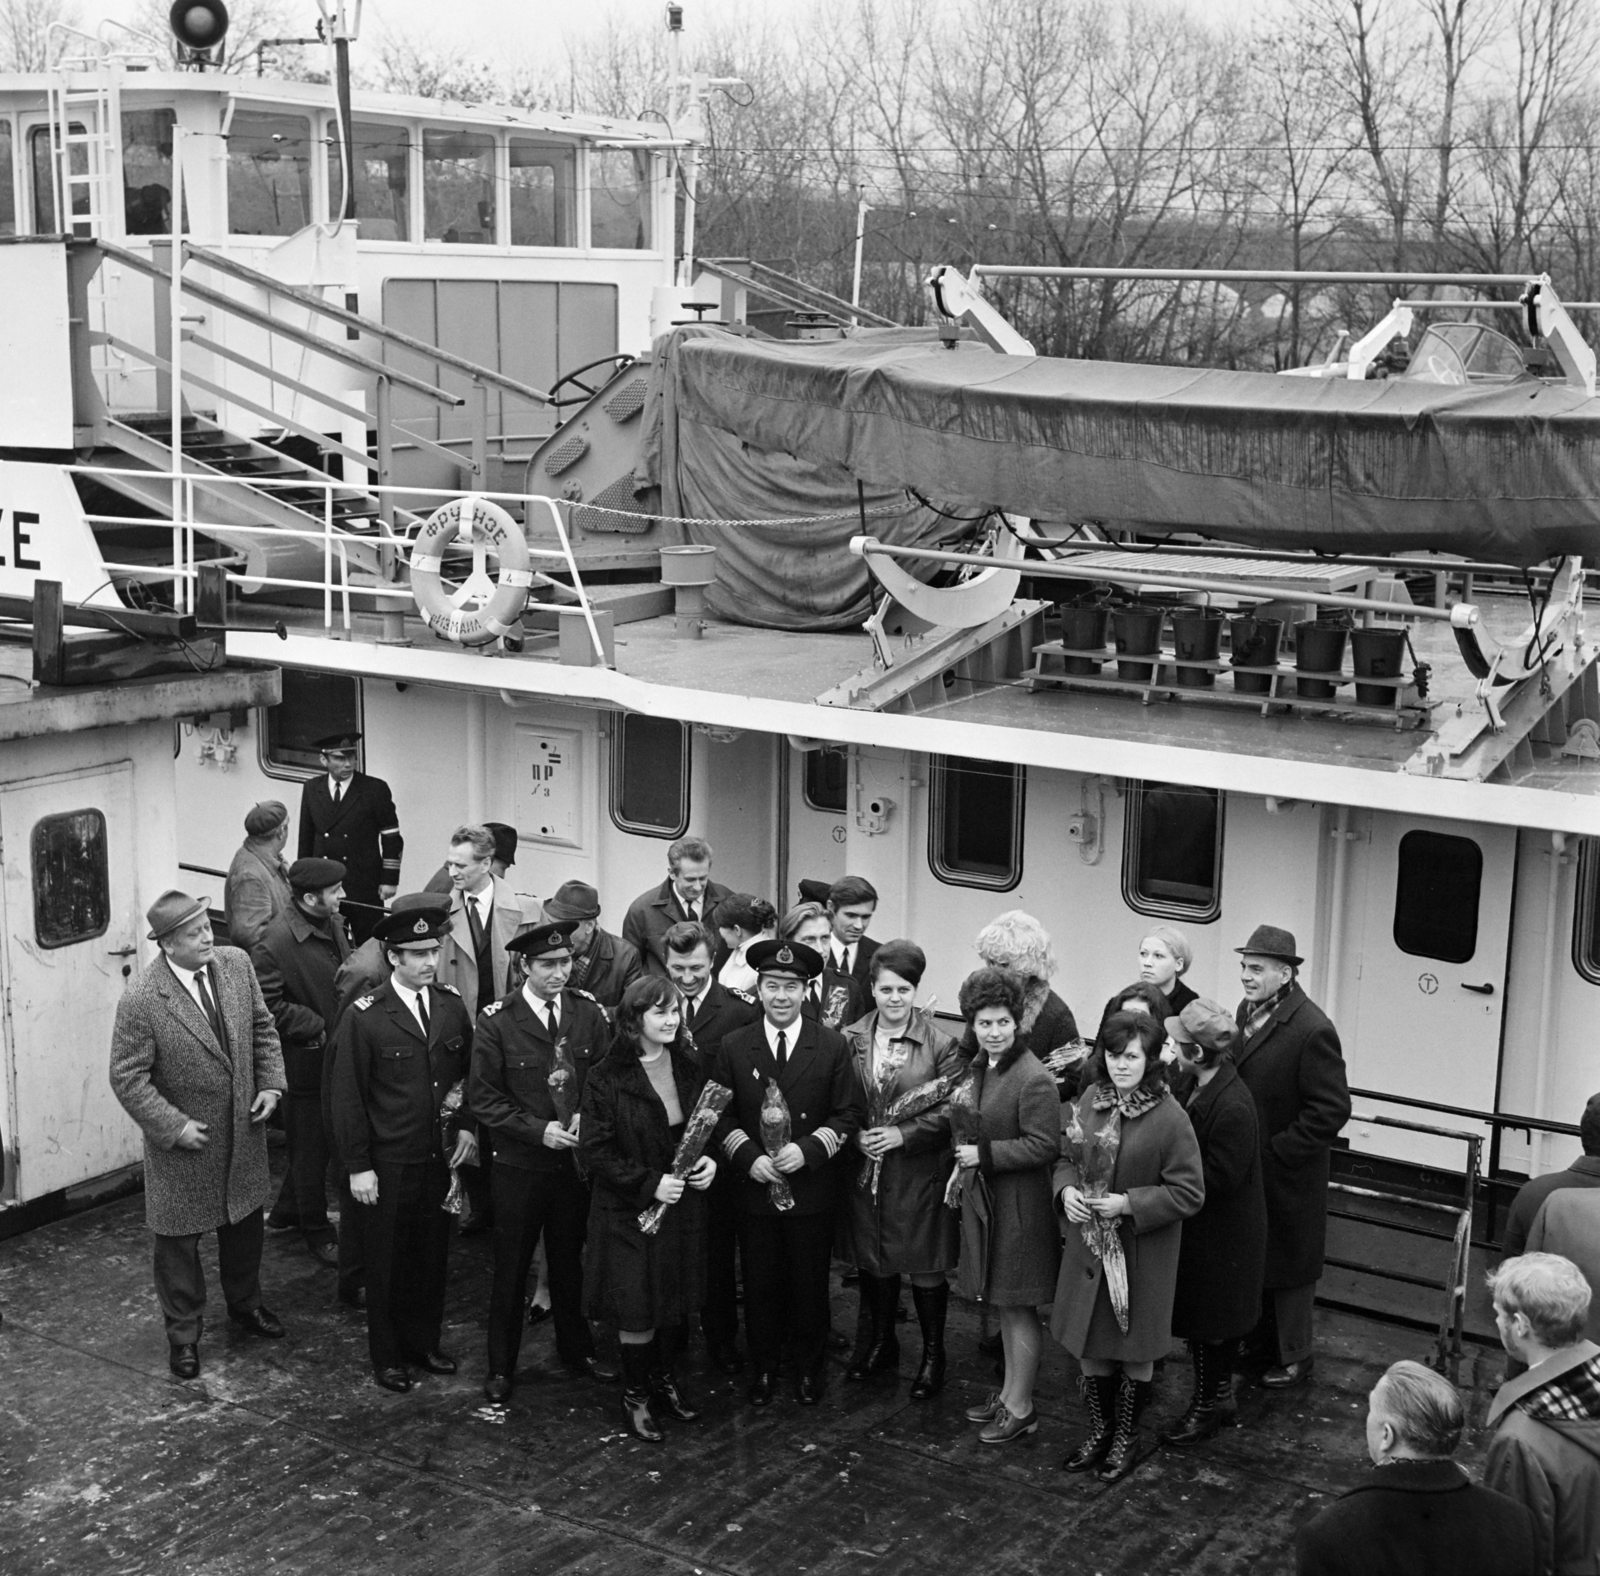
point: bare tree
(25, 42)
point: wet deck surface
(285, 1456)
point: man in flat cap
(530, 1059)
(257, 888)
(1292, 1064)
(297, 960)
(602, 964)
(195, 1062)
(786, 1252)
(398, 1054)
(349, 816)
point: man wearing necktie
(786, 1253)
(195, 1061)
(530, 1059)
(688, 893)
(398, 1053)
(349, 816)
(852, 901)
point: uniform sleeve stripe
(732, 1142)
(829, 1139)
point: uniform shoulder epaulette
(449, 990)
(491, 1009)
(743, 995)
(364, 1003)
(578, 990)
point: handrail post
(327, 558)
(480, 433)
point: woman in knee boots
(901, 1227)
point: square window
(827, 778)
(71, 878)
(975, 823)
(1586, 913)
(269, 173)
(1436, 896)
(650, 775)
(1172, 851)
(314, 705)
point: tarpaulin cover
(778, 576)
(1493, 472)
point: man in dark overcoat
(688, 893)
(398, 1054)
(711, 1011)
(297, 960)
(537, 1190)
(349, 816)
(195, 1062)
(1292, 1064)
(787, 1252)
(602, 964)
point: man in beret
(349, 816)
(787, 1253)
(257, 888)
(195, 1062)
(398, 1054)
(602, 964)
(297, 960)
(540, 1030)
(1293, 1066)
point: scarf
(583, 966)
(1130, 1104)
(1257, 1020)
(1573, 1397)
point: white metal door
(70, 946)
(1432, 903)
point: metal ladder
(86, 113)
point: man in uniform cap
(787, 1253)
(257, 888)
(602, 964)
(195, 1062)
(398, 1054)
(1292, 1064)
(522, 1041)
(297, 959)
(351, 817)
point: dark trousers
(181, 1282)
(786, 1263)
(407, 1241)
(526, 1205)
(1286, 1321)
(719, 1318)
(303, 1198)
(352, 1239)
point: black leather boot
(1099, 1393)
(885, 1350)
(1204, 1417)
(637, 1417)
(866, 1326)
(664, 1389)
(1128, 1446)
(932, 1303)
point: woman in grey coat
(1009, 1243)
(1129, 1170)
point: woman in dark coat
(1017, 942)
(1224, 1250)
(636, 1101)
(1009, 1243)
(903, 1228)
(1154, 1184)
(1164, 957)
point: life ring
(480, 609)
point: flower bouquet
(880, 1096)
(697, 1132)
(963, 1130)
(563, 1082)
(455, 1197)
(1067, 1058)
(1096, 1160)
(774, 1135)
(914, 1102)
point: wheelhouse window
(650, 775)
(44, 185)
(975, 823)
(1172, 851)
(827, 778)
(543, 193)
(619, 198)
(8, 185)
(458, 187)
(1437, 883)
(269, 173)
(147, 172)
(71, 878)
(314, 705)
(1586, 913)
(382, 178)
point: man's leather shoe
(324, 1251)
(808, 1390)
(762, 1388)
(278, 1223)
(436, 1363)
(725, 1357)
(184, 1361)
(497, 1388)
(1290, 1376)
(258, 1321)
(354, 1299)
(396, 1379)
(593, 1368)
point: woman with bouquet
(635, 1104)
(1128, 1176)
(1009, 1243)
(894, 1221)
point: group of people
(720, 1095)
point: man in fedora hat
(602, 964)
(1291, 1063)
(195, 1062)
(349, 816)
(398, 1054)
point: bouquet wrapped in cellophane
(880, 1096)
(455, 1196)
(963, 1130)
(1067, 1058)
(563, 1082)
(914, 1102)
(1095, 1156)
(774, 1135)
(697, 1132)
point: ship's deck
(284, 1455)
